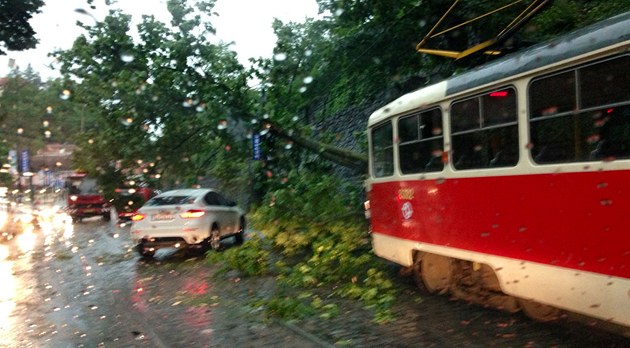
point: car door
(225, 215)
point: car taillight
(192, 214)
(138, 217)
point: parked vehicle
(187, 218)
(127, 200)
(85, 198)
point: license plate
(161, 217)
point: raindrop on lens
(222, 125)
(308, 80)
(127, 57)
(280, 57)
(288, 146)
(338, 12)
(126, 121)
(302, 89)
(308, 53)
(187, 103)
(65, 95)
(295, 118)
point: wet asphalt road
(81, 285)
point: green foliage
(251, 259)
(166, 106)
(16, 34)
(314, 222)
(288, 307)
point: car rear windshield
(170, 200)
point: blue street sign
(24, 161)
(256, 147)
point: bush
(317, 227)
(251, 258)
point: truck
(85, 198)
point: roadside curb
(318, 341)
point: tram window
(493, 140)
(382, 151)
(597, 129)
(552, 95)
(499, 107)
(465, 115)
(605, 83)
(421, 142)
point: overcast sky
(246, 22)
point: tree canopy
(175, 106)
(16, 34)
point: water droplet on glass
(606, 202)
(264, 131)
(295, 118)
(65, 94)
(307, 80)
(187, 103)
(288, 146)
(302, 89)
(280, 57)
(602, 185)
(308, 53)
(201, 107)
(338, 12)
(522, 229)
(265, 116)
(485, 234)
(126, 121)
(222, 124)
(127, 57)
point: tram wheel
(436, 273)
(539, 311)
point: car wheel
(240, 235)
(215, 238)
(145, 253)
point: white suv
(186, 218)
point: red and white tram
(509, 185)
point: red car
(85, 198)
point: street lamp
(19, 132)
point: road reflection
(8, 294)
(21, 233)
